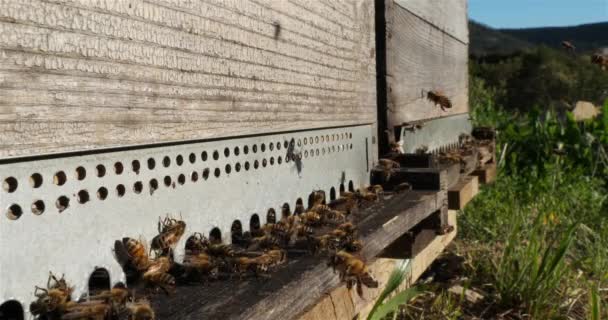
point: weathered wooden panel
(450, 16)
(80, 74)
(422, 56)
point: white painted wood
(420, 58)
(81, 74)
(449, 16)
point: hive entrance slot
(11, 310)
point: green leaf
(394, 281)
(595, 304)
(393, 303)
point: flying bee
(439, 98)
(170, 231)
(157, 275)
(353, 271)
(140, 310)
(568, 46)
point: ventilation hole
(215, 235)
(285, 210)
(306, 154)
(312, 153)
(11, 310)
(351, 146)
(14, 212)
(226, 152)
(204, 156)
(279, 159)
(237, 167)
(271, 146)
(36, 180)
(245, 149)
(38, 207)
(138, 187)
(236, 151)
(153, 185)
(206, 173)
(271, 216)
(102, 193)
(341, 188)
(317, 139)
(322, 138)
(351, 187)
(10, 184)
(81, 173)
(120, 190)
(82, 196)
(151, 163)
(192, 158)
(59, 179)
(179, 160)
(333, 148)
(194, 176)
(135, 166)
(254, 222)
(167, 181)
(256, 164)
(217, 172)
(350, 135)
(100, 170)
(236, 231)
(299, 143)
(62, 203)
(264, 163)
(287, 159)
(311, 200)
(332, 194)
(254, 148)
(272, 161)
(305, 141)
(323, 151)
(118, 168)
(216, 155)
(228, 169)
(99, 281)
(246, 165)
(278, 145)
(263, 147)
(317, 152)
(181, 179)
(327, 137)
(166, 162)
(299, 202)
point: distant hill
(486, 40)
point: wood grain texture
(422, 57)
(79, 74)
(449, 16)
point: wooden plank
(463, 192)
(283, 296)
(78, 75)
(421, 58)
(448, 16)
(486, 174)
(381, 268)
(437, 178)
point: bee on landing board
(140, 310)
(439, 98)
(157, 275)
(353, 271)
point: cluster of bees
(321, 229)
(54, 302)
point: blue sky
(537, 13)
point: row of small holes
(60, 178)
(254, 222)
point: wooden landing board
(461, 193)
(341, 304)
(437, 178)
(486, 174)
(297, 287)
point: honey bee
(423, 149)
(445, 229)
(157, 275)
(117, 296)
(87, 310)
(310, 218)
(353, 245)
(169, 232)
(273, 258)
(328, 215)
(439, 98)
(353, 271)
(279, 229)
(264, 242)
(220, 250)
(200, 263)
(404, 186)
(321, 244)
(299, 209)
(196, 243)
(349, 228)
(137, 254)
(285, 211)
(140, 310)
(345, 204)
(318, 197)
(568, 46)
(386, 167)
(55, 299)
